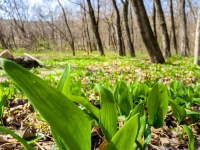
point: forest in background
(71, 25)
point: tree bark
(118, 30)
(197, 41)
(2, 41)
(128, 35)
(154, 20)
(174, 41)
(95, 29)
(71, 43)
(184, 39)
(146, 32)
(193, 12)
(165, 36)
(86, 28)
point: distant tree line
(124, 26)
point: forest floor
(20, 116)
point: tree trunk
(146, 32)
(165, 36)
(197, 41)
(71, 43)
(128, 35)
(85, 28)
(154, 20)
(183, 38)
(193, 12)
(174, 41)
(95, 29)
(2, 41)
(118, 30)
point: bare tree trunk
(118, 30)
(146, 32)
(95, 29)
(174, 41)
(197, 41)
(53, 30)
(114, 37)
(2, 40)
(192, 10)
(110, 39)
(85, 27)
(132, 27)
(154, 20)
(165, 36)
(128, 35)
(184, 39)
(71, 43)
(89, 39)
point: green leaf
(157, 104)
(108, 113)
(140, 90)
(147, 136)
(190, 137)
(58, 141)
(178, 111)
(35, 139)
(64, 83)
(126, 136)
(142, 122)
(21, 140)
(123, 98)
(64, 87)
(64, 117)
(193, 114)
(190, 112)
(4, 95)
(83, 101)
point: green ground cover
(122, 90)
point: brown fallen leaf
(29, 132)
(103, 144)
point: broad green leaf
(126, 136)
(157, 104)
(108, 113)
(83, 101)
(178, 111)
(115, 92)
(190, 137)
(174, 86)
(180, 100)
(21, 140)
(193, 114)
(140, 90)
(64, 83)
(142, 124)
(190, 112)
(123, 98)
(147, 136)
(63, 116)
(4, 95)
(189, 96)
(64, 87)
(58, 141)
(76, 90)
(196, 100)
